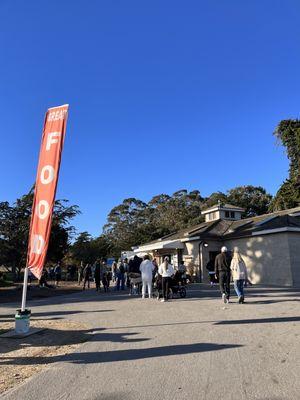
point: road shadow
(56, 313)
(121, 355)
(57, 337)
(258, 321)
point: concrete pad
(184, 349)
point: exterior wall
(192, 260)
(220, 214)
(214, 215)
(237, 215)
(294, 244)
(267, 258)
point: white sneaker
(162, 300)
(143, 297)
(224, 298)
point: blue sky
(163, 95)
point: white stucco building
(269, 244)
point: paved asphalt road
(189, 348)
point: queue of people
(137, 274)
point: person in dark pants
(97, 275)
(222, 271)
(57, 272)
(166, 270)
(80, 273)
(43, 280)
(211, 271)
(87, 273)
(121, 276)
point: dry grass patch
(22, 358)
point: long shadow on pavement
(223, 322)
(57, 313)
(121, 355)
(57, 337)
(258, 321)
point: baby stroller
(135, 283)
(177, 286)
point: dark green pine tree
(288, 195)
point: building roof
(266, 222)
(225, 229)
(221, 206)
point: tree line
(134, 221)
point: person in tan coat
(239, 274)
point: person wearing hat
(222, 271)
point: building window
(227, 214)
(232, 214)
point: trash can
(22, 321)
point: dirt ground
(19, 357)
(14, 293)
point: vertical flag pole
(43, 202)
(24, 294)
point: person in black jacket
(87, 273)
(222, 271)
(97, 275)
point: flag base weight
(22, 321)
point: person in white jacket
(166, 270)
(239, 274)
(146, 269)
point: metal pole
(201, 262)
(23, 306)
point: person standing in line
(57, 272)
(211, 271)
(80, 273)
(166, 270)
(87, 273)
(182, 272)
(126, 267)
(222, 272)
(146, 269)
(121, 276)
(104, 276)
(108, 276)
(239, 274)
(155, 270)
(155, 265)
(114, 268)
(97, 275)
(117, 277)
